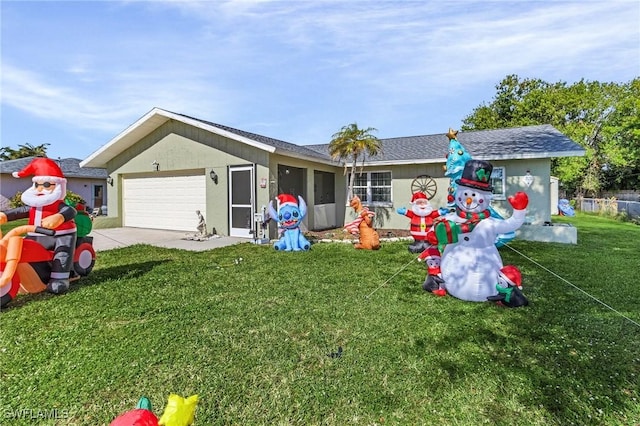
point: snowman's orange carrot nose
(469, 200)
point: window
(323, 187)
(498, 183)
(98, 196)
(373, 188)
(291, 180)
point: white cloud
(278, 66)
(105, 109)
(420, 45)
(415, 44)
(27, 91)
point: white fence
(626, 195)
(610, 206)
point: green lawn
(254, 339)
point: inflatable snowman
(466, 237)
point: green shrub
(16, 200)
(72, 199)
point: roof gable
(157, 117)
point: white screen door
(241, 202)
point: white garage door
(164, 202)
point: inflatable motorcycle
(25, 265)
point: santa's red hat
(418, 196)
(512, 275)
(44, 169)
(432, 253)
(287, 199)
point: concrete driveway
(107, 239)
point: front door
(241, 201)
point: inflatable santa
(45, 207)
(421, 215)
(466, 238)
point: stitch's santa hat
(418, 196)
(512, 275)
(287, 200)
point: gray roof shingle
(530, 142)
(542, 141)
(297, 150)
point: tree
(26, 150)
(7, 153)
(622, 141)
(350, 144)
(601, 117)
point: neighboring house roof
(543, 141)
(70, 168)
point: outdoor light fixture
(528, 178)
(156, 165)
(110, 180)
(214, 176)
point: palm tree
(7, 153)
(23, 151)
(349, 144)
(29, 150)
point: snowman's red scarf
(447, 231)
(473, 217)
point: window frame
(369, 189)
(500, 182)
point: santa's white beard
(33, 198)
(420, 211)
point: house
(88, 182)
(166, 165)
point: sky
(75, 74)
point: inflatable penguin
(509, 288)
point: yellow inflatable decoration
(179, 411)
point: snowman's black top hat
(476, 174)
